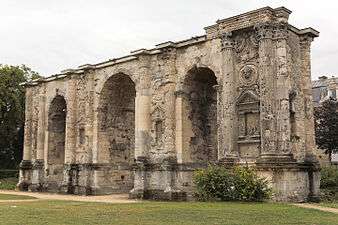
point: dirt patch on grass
(115, 198)
(312, 206)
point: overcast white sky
(52, 35)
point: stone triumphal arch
(141, 124)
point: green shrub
(8, 183)
(329, 184)
(214, 183)
(329, 178)
(237, 184)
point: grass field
(160, 213)
(14, 197)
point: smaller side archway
(200, 115)
(116, 120)
(116, 133)
(57, 114)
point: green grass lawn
(159, 213)
(8, 183)
(14, 197)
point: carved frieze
(246, 48)
(271, 30)
(227, 41)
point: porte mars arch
(143, 123)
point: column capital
(280, 30)
(227, 41)
(264, 31)
(272, 30)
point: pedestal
(25, 175)
(37, 176)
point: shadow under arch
(57, 114)
(116, 133)
(200, 114)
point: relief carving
(158, 119)
(246, 48)
(248, 75)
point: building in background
(323, 89)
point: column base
(136, 193)
(25, 175)
(37, 176)
(70, 179)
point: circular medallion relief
(248, 75)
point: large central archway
(200, 114)
(56, 139)
(116, 133)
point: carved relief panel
(248, 124)
(248, 103)
(157, 129)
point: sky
(53, 35)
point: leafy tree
(326, 126)
(12, 105)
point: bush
(237, 184)
(329, 184)
(329, 178)
(8, 183)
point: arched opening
(200, 115)
(56, 138)
(116, 131)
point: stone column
(170, 123)
(26, 163)
(267, 85)
(142, 122)
(218, 89)
(305, 46)
(169, 163)
(228, 150)
(83, 180)
(70, 143)
(283, 88)
(95, 129)
(179, 125)
(142, 133)
(38, 165)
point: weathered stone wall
(241, 94)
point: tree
(326, 126)
(12, 105)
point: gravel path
(322, 208)
(115, 198)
